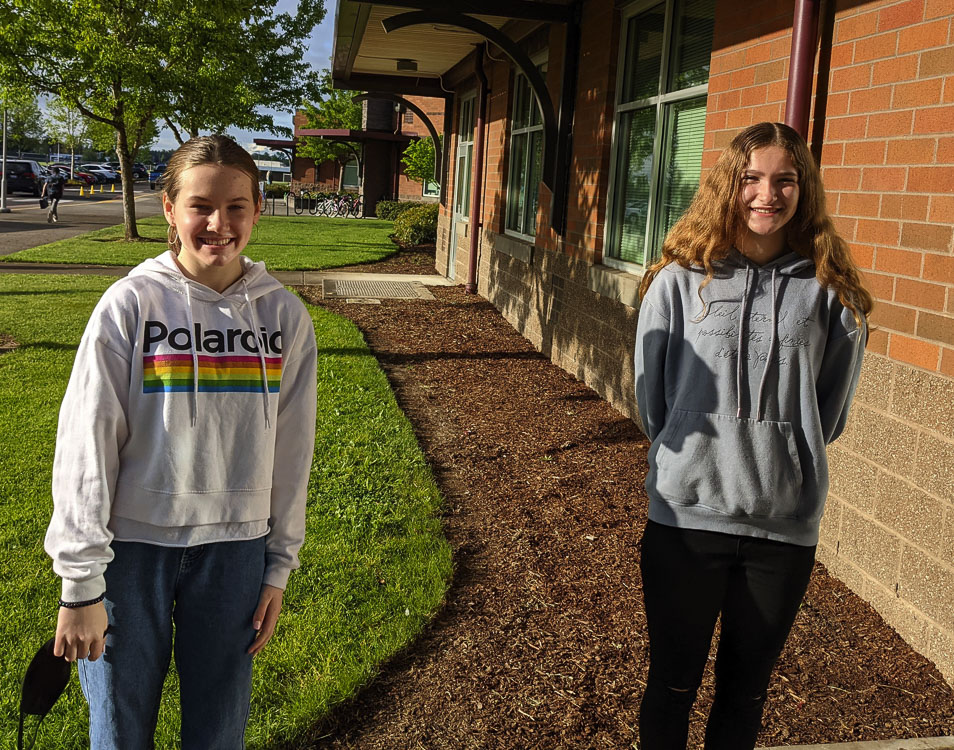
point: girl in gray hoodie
(752, 328)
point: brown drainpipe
(478, 166)
(801, 65)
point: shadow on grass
(345, 352)
(47, 346)
(47, 292)
(122, 239)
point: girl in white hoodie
(183, 453)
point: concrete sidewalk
(291, 278)
(933, 743)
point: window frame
(357, 173)
(462, 209)
(662, 104)
(540, 60)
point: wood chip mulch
(541, 642)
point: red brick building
(642, 96)
(381, 143)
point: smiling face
(768, 198)
(213, 214)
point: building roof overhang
(410, 46)
(354, 136)
(365, 53)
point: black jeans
(689, 578)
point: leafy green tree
(24, 121)
(126, 64)
(64, 124)
(335, 111)
(418, 160)
(233, 58)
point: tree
(334, 111)
(247, 50)
(122, 64)
(64, 124)
(24, 121)
(418, 160)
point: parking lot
(25, 226)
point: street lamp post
(4, 209)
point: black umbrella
(45, 680)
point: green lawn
(285, 244)
(375, 565)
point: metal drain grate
(379, 289)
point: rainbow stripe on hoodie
(229, 360)
(169, 373)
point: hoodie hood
(254, 281)
(253, 284)
(788, 264)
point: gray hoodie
(740, 395)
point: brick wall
(888, 163)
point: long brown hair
(205, 149)
(709, 227)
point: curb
(927, 743)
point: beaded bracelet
(77, 605)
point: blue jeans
(690, 577)
(210, 593)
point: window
(660, 123)
(350, 177)
(408, 117)
(526, 148)
(431, 188)
(465, 150)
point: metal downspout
(476, 191)
(802, 65)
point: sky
(319, 56)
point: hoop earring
(172, 237)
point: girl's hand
(81, 632)
(265, 617)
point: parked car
(24, 175)
(81, 177)
(100, 170)
(84, 177)
(139, 170)
(155, 177)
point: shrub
(276, 189)
(390, 210)
(417, 225)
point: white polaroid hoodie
(189, 418)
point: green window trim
(525, 157)
(659, 124)
(463, 157)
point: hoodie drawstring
(738, 360)
(261, 353)
(195, 356)
(772, 344)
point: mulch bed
(541, 642)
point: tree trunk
(129, 196)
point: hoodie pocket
(739, 467)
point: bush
(417, 225)
(276, 189)
(390, 210)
